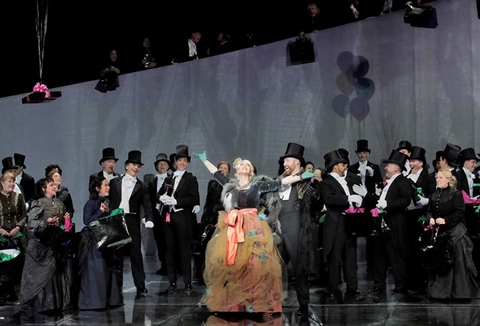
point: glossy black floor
(363, 309)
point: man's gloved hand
(422, 202)
(196, 209)
(201, 156)
(149, 225)
(167, 200)
(360, 190)
(369, 171)
(382, 204)
(355, 199)
(308, 174)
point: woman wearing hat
(12, 219)
(454, 280)
(243, 268)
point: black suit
(370, 181)
(159, 222)
(138, 199)
(99, 174)
(391, 247)
(179, 231)
(338, 244)
(416, 275)
(471, 219)
(27, 184)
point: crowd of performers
(255, 230)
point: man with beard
(391, 247)
(339, 245)
(108, 162)
(131, 194)
(298, 229)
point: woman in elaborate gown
(445, 210)
(44, 287)
(243, 269)
(97, 288)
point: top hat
(404, 144)
(333, 158)
(9, 164)
(108, 154)
(161, 157)
(418, 153)
(344, 154)
(450, 153)
(134, 157)
(398, 158)
(362, 146)
(465, 155)
(19, 160)
(296, 151)
(182, 151)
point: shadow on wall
(353, 83)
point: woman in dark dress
(44, 286)
(445, 210)
(243, 268)
(97, 281)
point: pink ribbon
(353, 210)
(41, 88)
(167, 218)
(374, 212)
(468, 200)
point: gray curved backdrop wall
(378, 79)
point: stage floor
(363, 309)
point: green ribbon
(418, 193)
(322, 218)
(118, 211)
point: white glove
(360, 190)
(144, 221)
(369, 171)
(382, 204)
(378, 191)
(355, 199)
(412, 206)
(196, 209)
(149, 225)
(422, 202)
(167, 200)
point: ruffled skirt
(253, 282)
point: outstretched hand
(308, 174)
(201, 156)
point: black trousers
(386, 253)
(289, 251)
(134, 250)
(179, 240)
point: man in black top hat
(108, 162)
(391, 247)
(339, 245)
(405, 147)
(162, 166)
(425, 185)
(180, 220)
(297, 228)
(448, 158)
(131, 194)
(369, 172)
(26, 181)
